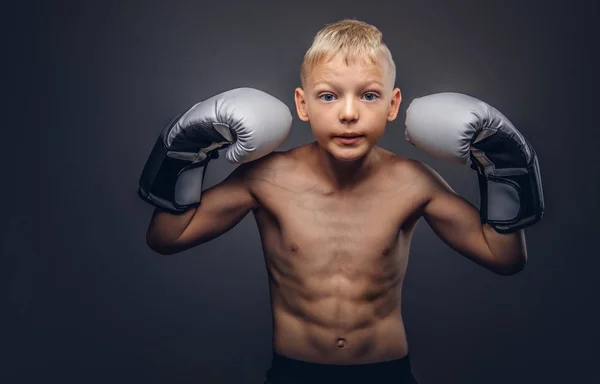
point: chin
(347, 153)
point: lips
(349, 135)
(348, 139)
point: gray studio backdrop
(89, 302)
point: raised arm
(250, 124)
(457, 222)
(221, 208)
(459, 128)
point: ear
(395, 101)
(301, 107)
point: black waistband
(286, 368)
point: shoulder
(416, 173)
(271, 165)
(400, 167)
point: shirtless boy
(336, 216)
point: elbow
(159, 247)
(165, 251)
(511, 268)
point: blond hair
(354, 40)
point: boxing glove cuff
(172, 176)
(511, 198)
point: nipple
(341, 343)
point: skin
(336, 221)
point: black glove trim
(525, 181)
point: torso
(336, 261)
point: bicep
(221, 208)
(455, 220)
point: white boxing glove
(459, 128)
(253, 122)
(248, 122)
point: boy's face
(348, 106)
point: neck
(342, 174)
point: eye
(371, 96)
(326, 96)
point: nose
(348, 111)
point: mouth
(348, 138)
(349, 135)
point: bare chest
(329, 230)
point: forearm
(509, 250)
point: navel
(341, 343)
